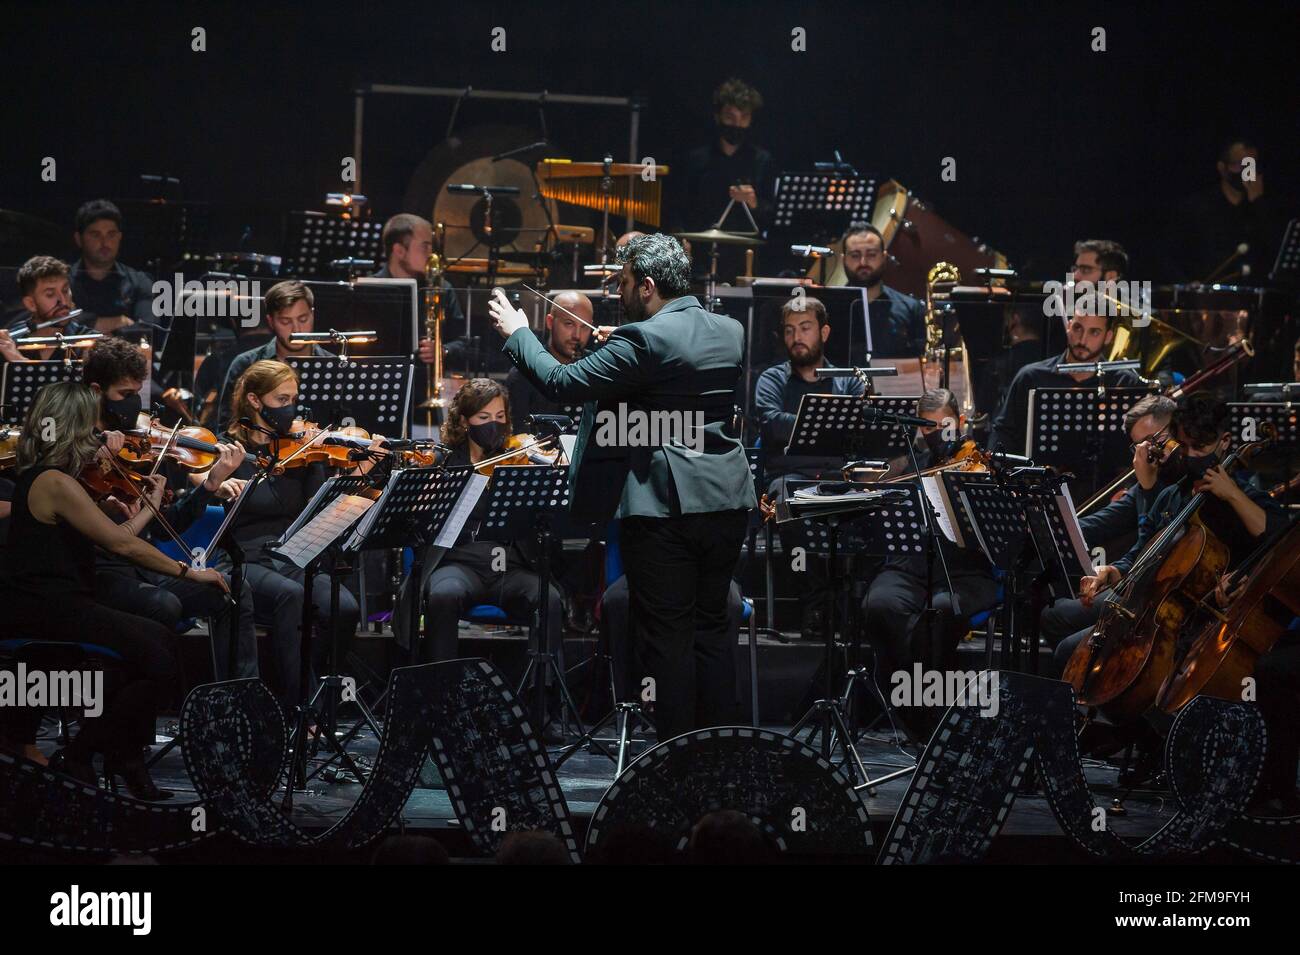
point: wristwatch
(184, 567)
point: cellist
(1238, 510)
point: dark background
(1053, 142)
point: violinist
(115, 370)
(47, 582)
(264, 412)
(479, 572)
(1238, 511)
(894, 603)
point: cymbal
(721, 237)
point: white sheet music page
(935, 491)
(461, 511)
(1065, 504)
(323, 529)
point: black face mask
(490, 436)
(281, 419)
(121, 414)
(1198, 464)
(935, 443)
(734, 135)
(1180, 464)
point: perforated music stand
(1247, 417)
(20, 381)
(374, 392)
(1078, 429)
(1286, 267)
(322, 706)
(831, 426)
(533, 501)
(314, 239)
(822, 205)
(889, 514)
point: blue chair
(199, 534)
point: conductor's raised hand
(505, 316)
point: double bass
(1223, 654)
(1123, 663)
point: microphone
(553, 423)
(253, 426)
(1019, 460)
(469, 187)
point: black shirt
(1208, 228)
(526, 400)
(123, 291)
(480, 555)
(1011, 425)
(706, 181)
(43, 562)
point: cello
(1223, 654)
(1123, 663)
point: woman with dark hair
(48, 584)
(479, 572)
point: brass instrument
(433, 315)
(944, 272)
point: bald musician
(566, 339)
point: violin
(9, 446)
(101, 479)
(309, 443)
(193, 448)
(969, 457)
(520, 450)
(1130, 653)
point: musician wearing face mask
(478, 572)
(566, 339)
(264, 409)
(1149, 424)
(731, 167)
(115, 370)
(1237, 510)
(893, 607)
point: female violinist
(115, 370)
(264, 411)
(479, 572)
(47, 584)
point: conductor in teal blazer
(656, 450)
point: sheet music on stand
(374, 392)
(893, 525)
(822, 205)
(22, 380)
(1008, 517)
(944, 492)
(415, 501)
(336, 506)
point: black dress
(47, 580)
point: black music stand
(1286, 267)
(332, 554)
(1023, 519)
(855, 505)
(374, 392)
(1246, 417)
(312, 240)
(20, 381)
(1078, 430)
(529, 500)
(822, 205)
(823, 421)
